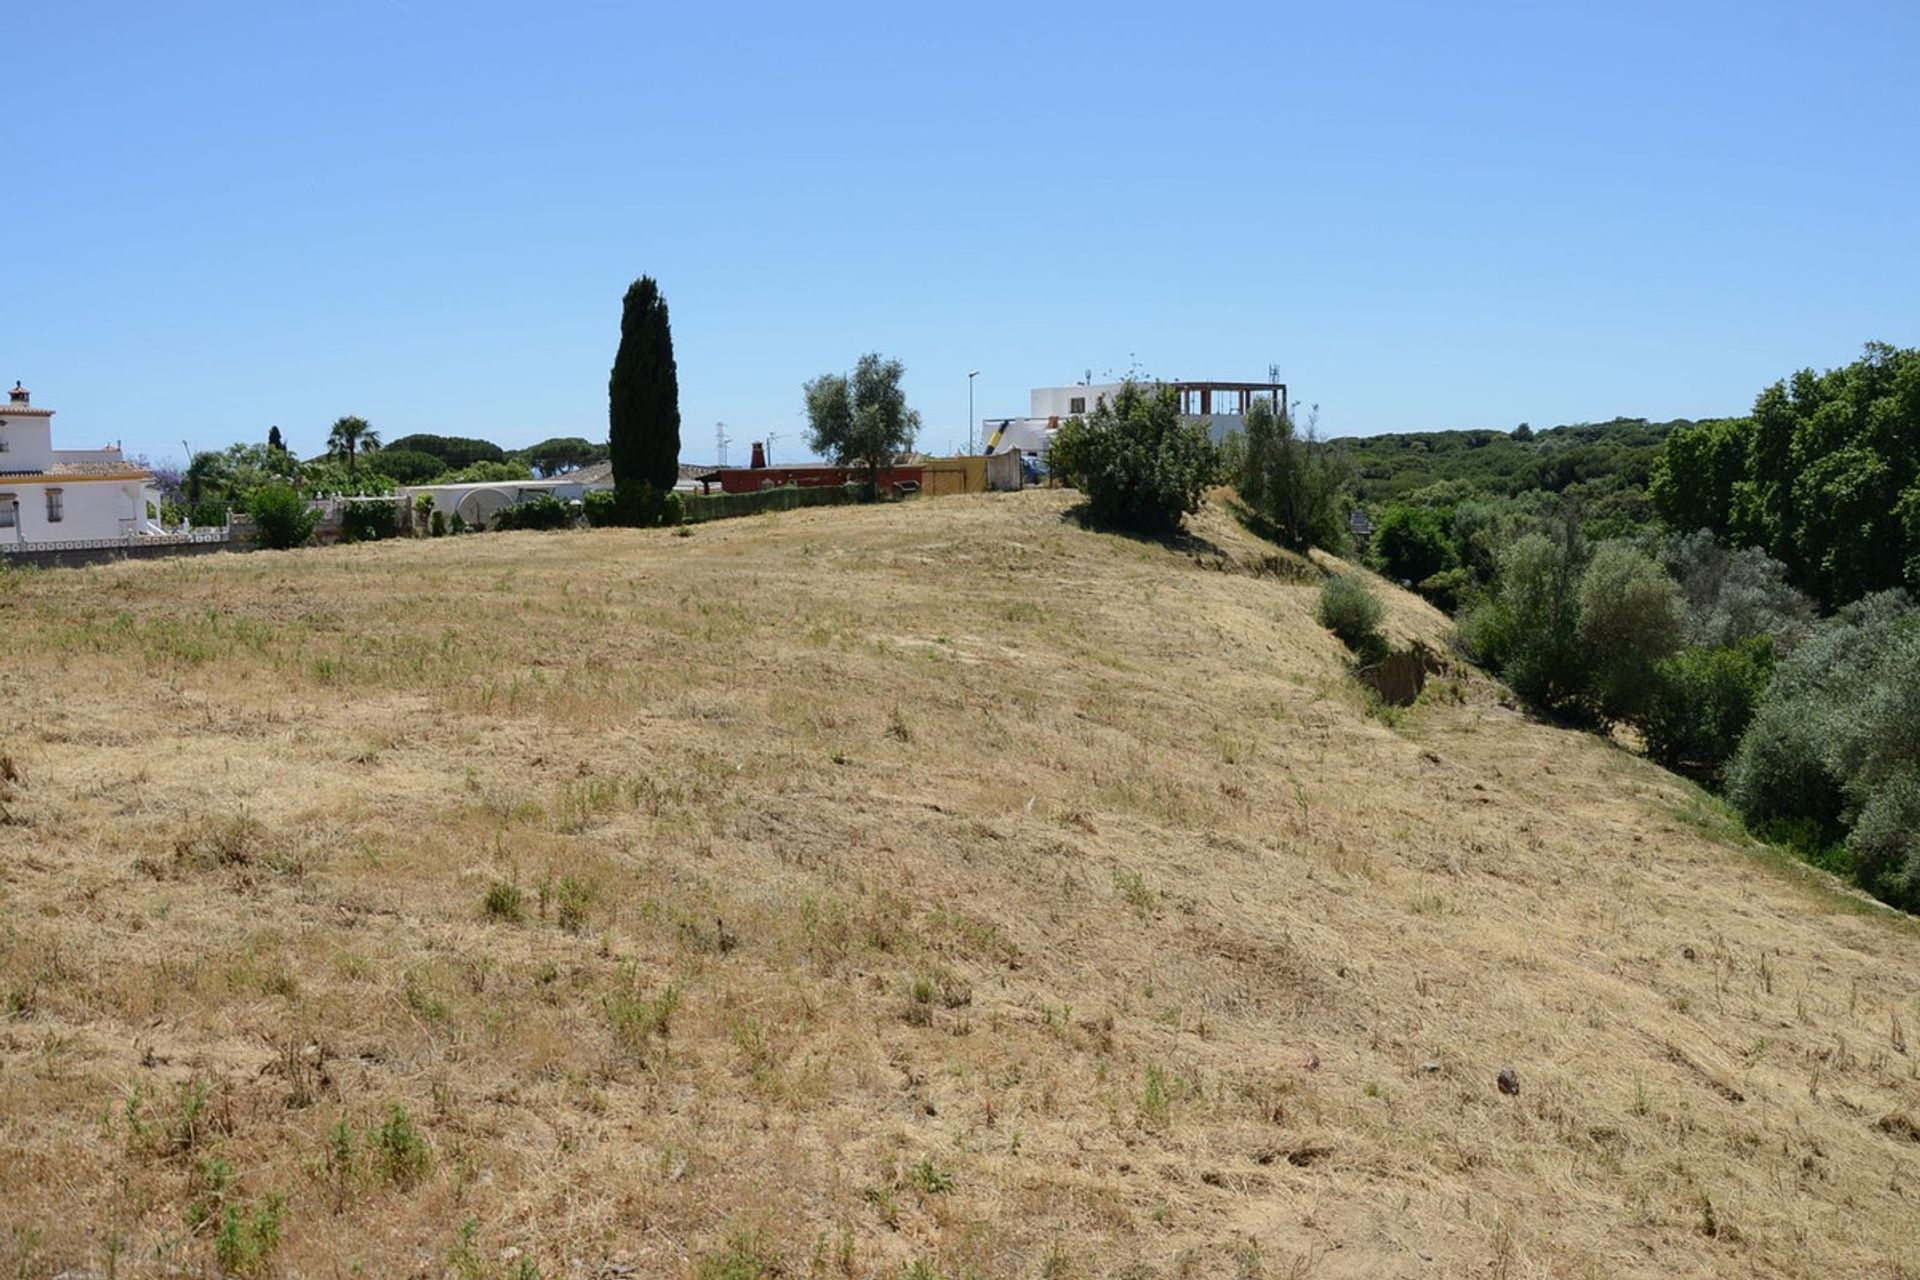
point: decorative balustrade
(189, 538)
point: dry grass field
(932, 891)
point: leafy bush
(1733, 595)
(1834, 749)
(542, 512)
(1629, 619)
(1701, 704)
(208, 513)
(1528, 627)
(1289, 478)
(600, 506)
(281, 517)
(1140, 466)
(1350, 610)
(1410, 544)
(368, 521)
(1450, 590)
(399, 1149)
(638, 506)
(437, 524)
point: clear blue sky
(224, 216)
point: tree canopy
(560, 454)
(861, 418)
(453, 451)
(1825, 476)
(349, 438)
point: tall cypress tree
(643, 394)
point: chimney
(19, 394)
(759, 456)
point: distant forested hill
(1601, 457)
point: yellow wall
(940, 476)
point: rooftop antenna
(771, 437)
(720, 441)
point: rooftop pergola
(1235, 397)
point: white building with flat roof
(50, 495)
(1218, 404)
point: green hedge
(721, 506)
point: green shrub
(281, 517)
(1450, 589)
(208, 513)
(601, 507)
(1288, 477)
(368, 521)
(542, 512)
(400, 1152)
(1140, 466)
(504, 901)
(458, 524)
(437, 524)
(1629, 619)
(1529, 630)
(1410, 544)
(1702, 702)
(1834, 749)
(747, 1256)
(1350, 610)
(245, 1242)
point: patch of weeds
(235, 841)
(340, 1163)
(466, 1260)
(424, 1002)
(897, 727)
(639, 1016)
(929, 1178)
(1373, 1090)
(208, 1181)
(1156, 1099)
(504, 902)
(572, 897)
(399, 1151)
(1133, 890)
(931, 987)
(246, 1241)
(882, 1198)
(746, 1256)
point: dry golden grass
(938, 884)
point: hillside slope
(1031, 901)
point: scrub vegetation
(938, 889)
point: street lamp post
(970, 378)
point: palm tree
(351, 436)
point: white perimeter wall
(91, 509)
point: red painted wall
(751, 480)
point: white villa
(1219, 404)
(50, 495)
